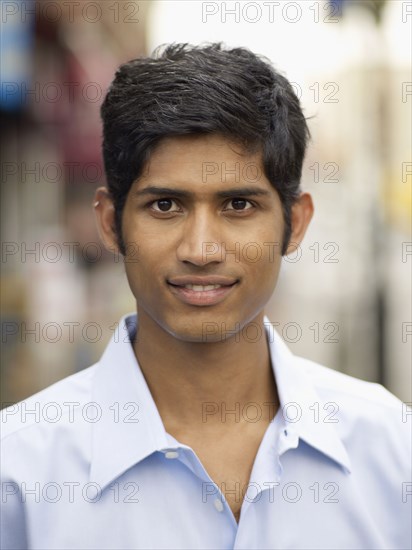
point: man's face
(202, 235)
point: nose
(200, 242)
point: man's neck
(196, 383)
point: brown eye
(163, 205)
(239, 204)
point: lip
(203, 297)
(204, 281)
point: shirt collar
(130, 427)
(301, 405)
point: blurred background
(344, 299)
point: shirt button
(171, 454)
(218, 505)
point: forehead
(187, 160)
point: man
(198, 428)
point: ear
(301, 215)
(104, 212)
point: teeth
(201, 288)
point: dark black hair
(207, 89)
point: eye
(163, 205)
(240, 204)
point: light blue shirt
(87, 464)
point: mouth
(201, 294)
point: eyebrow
(180, 193)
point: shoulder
(348, 388)
(366, 415)
(51, 407)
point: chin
(192, 330)
(185, 333)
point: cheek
(142, 262)
(264, 270)
(144, 246)
(145, 251)
(263, 256)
